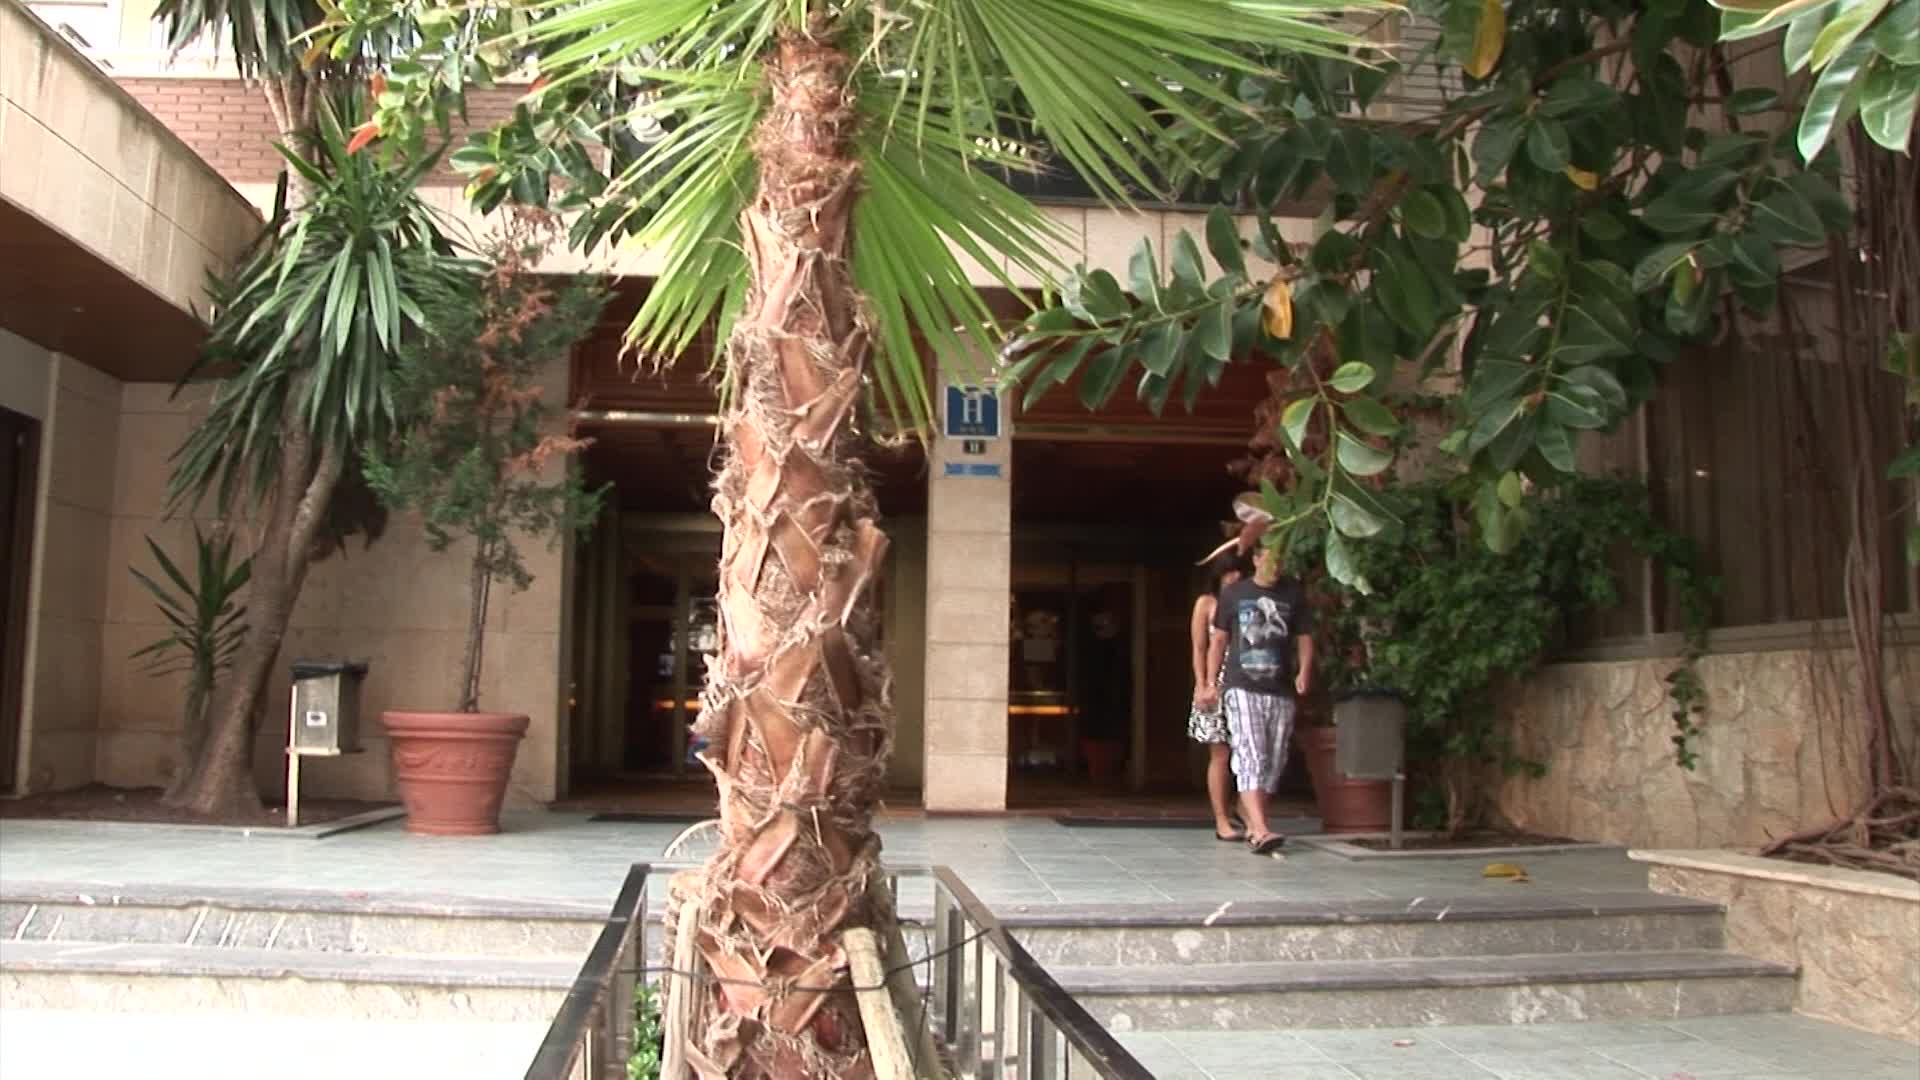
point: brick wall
(227, 122)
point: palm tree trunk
(221, 780)
(798, 708)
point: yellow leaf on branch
(1278, 308)
(1489, 39)
(1582, 179)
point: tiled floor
(566, 856)
(1773, 1047)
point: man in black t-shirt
(1263, 633)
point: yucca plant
(208, 625)
(818, 169)
(305, 337)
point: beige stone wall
(1854, 936)
(398, 605)
(1772, 758)
(81, 155)
(66, 602)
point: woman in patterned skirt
(1208, 726)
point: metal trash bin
(1370, 743)
(326, 707)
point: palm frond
(1098, 78)
(580, 40)
(701, 175)
(921, 204)
(264, 37)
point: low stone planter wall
(1854, 935)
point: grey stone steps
(146, 978)
(305, 921)
(1430, 990)
(1353, 930)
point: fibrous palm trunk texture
(796, 708)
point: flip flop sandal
(1270, 845)
(1237, 839)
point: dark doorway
(19, 467)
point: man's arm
(1304, 680)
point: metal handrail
(591, 1034)
(998, 1012)
(1019, 1023)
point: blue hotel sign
(973, 412)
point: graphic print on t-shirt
(1263, 634)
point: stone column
(969, 581)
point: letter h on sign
(973, 412)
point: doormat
(644, 817)
(1090, 822)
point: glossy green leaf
(1796, 48)
(1360, 459)
(1295, 418)
(1833, 100)
(1341, 564)
(1888, 97)
(1188, 270)
(1102, 378)
(1214, 331)
(1494, 147)
(1354, 520)
(1352, 377)
(1752, 99)
(1160, 349)
(1785, 218)
(1424, 215)
(1547, 146)
(1897, 37)
(1510, 491)
(1849, 20)
(1653, 269)
(1555, 444)
(1223, 241)
(1143, 274)
(1370, 416)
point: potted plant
(1342, 681)
(208, 624)
(476, 460)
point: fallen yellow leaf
(1278, 305)
(1489, 40)
(1582, 179)
(1504, 870)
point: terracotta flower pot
(1346, 806)
(453, 768)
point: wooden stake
(886, 1042)
(678, 1022)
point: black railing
(591, 1036)
(995, 1010)
(999, 1013)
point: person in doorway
(1262, 651)
(1207, 725)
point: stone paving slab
(552, 856)
(1759, 1047)
(1306, 976)
(37, 1044)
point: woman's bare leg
(1220, 788)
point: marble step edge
(1352, 912)
(1306, 976)
(195, 961)
(334, 902)
(296, 900)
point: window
(92, 25)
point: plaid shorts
(1258, 727)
